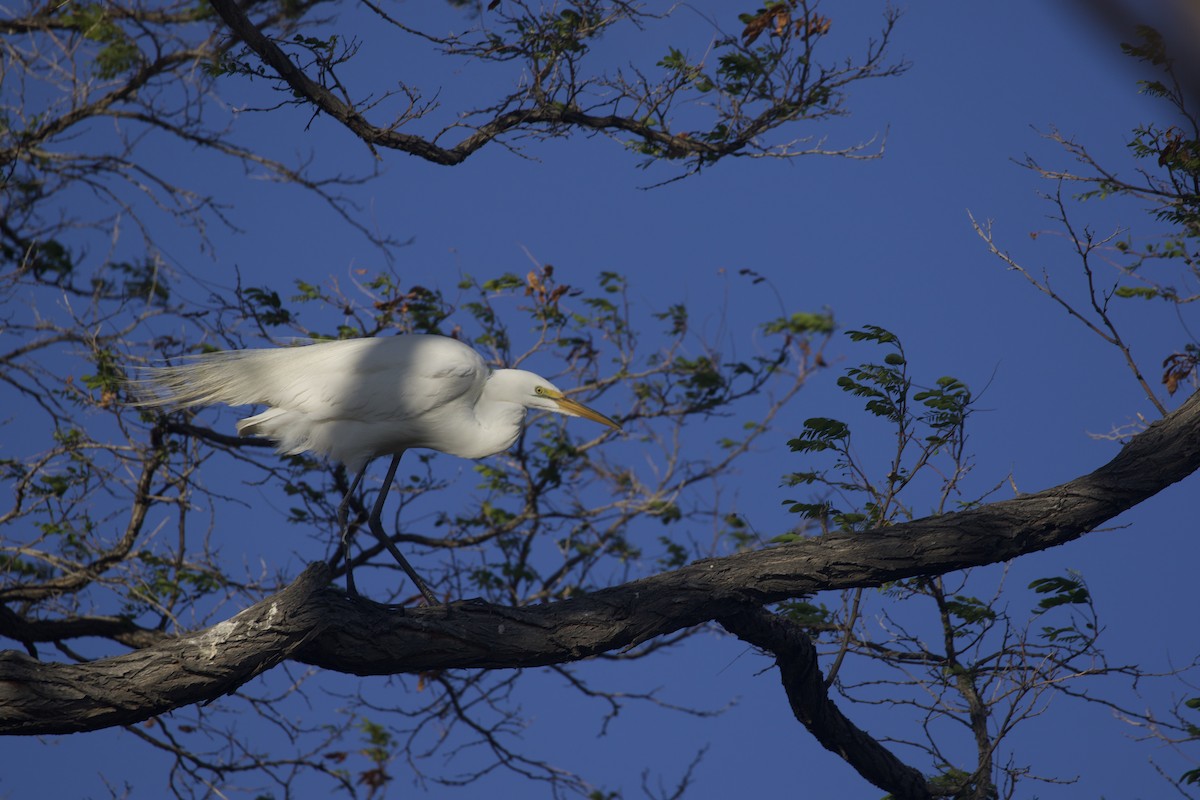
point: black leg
(377, 529)
(344, 525)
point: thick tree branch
(374, 642)
(38, 697)
(810, 702)
(325, 628)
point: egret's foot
(351, 588)
(429, 597)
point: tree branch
(322, 98)
(472, 635)
(810, 702)
(328, 102)
(32, 631)
(809, 94)
(327, 629)
(45, 698)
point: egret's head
(554, 400)
(534, 391)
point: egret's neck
(499, 414)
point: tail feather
(281, 426)
(237, 377)
(273, 378)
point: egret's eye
(539, 390)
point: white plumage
(356, 399)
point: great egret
(356, 399)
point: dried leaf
(373, 778)
(1177, 367)
(818, 25)
(783, 18)
(425, 678)
(533, 283)
(756, 26)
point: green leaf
(815, 511)
(267, 306)
(805, 613)
(1062, 590)
(971, 610)
(820, 433)
(801, 322)
(873, 333)
(1144, 292)
(506, 282)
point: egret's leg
(377, 529)
(343, 514)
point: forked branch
(325, 628)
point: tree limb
(373, 641)
(325, 628)
(375, 136)
(322, 98)
(812, 93)
(32, 631)
(45, 698)
(810, 702)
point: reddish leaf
(816, 25)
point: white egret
(356, 399)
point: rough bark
(324, 627)
(38, 697)
(374, 641)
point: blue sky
(885, 242)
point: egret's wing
(392, 379)
(351, 399)
(410, 392)
(367, 379)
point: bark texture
(40, 698)
(316, 624)
(374, 641)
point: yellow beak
(570, 407)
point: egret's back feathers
(329, 379)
